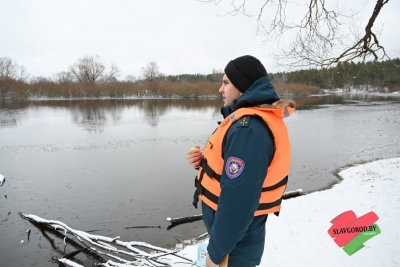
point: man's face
(229, 91)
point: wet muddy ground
(112, 164)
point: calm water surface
(110, 164)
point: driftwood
(118, 253)
(99, 230)
(73, 253)
(112, 251)
(142, 227)
(292, 194)
(177, 221)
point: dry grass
(142, 89)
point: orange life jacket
(209, 175)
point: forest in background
(89, 78)
(371, 75)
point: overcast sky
(182, 36)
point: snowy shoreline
(299, 237)
(375, 92)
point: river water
(107, 165)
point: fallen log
(142, 227)
(292, 194)
(120, 253)
(177, 221)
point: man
(243, 172)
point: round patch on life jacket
(234, 167)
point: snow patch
(299, 236)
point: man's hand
(194, 157)
(209, 263)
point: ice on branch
(119, 253)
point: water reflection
(11, 113)
(94, 115)
(8, 121)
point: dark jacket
(234, 224)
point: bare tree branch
(151, 71)
(326, 35)
(90, 69)
(9, 69)
(217, 74)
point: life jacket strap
(277, 185)
(210, 172)
(203, 191)
(265, 206)
(195, 199)
(199, 188)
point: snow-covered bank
(299, 237)
(361, 91)
(134, 97)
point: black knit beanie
(244, 71)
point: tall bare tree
(63, 77)
(217, 75)
(151, 71)
(130, 79)
(90, 69)
(9, 69)
(324, 34)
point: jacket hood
(282, 108)
(259, 93)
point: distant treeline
(194, 78)
(160, 87)
(89, 78)
(369, 75)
